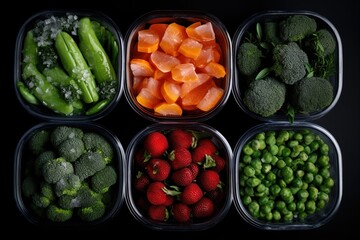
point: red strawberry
(217, 195)
(181, 212)
(141, 182)
(203, 208)
(156, 144)
(169, 200)
(194, 169)
(205, 147)
(180, 157)
(191, 194)
(158, 213)
(180, 138)
(182, 177)
(219, 162)
(156, 194)
(141, 157)
(158, 169)
(208, 179)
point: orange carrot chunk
(168, 109)
(211, 98)
(184, 72)
(164, 62)
(173, 37)
(141, 67)
(148, 41)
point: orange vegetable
(148, 41)
(173, 37)
(141, 67)
(168, 109)
(211, 98)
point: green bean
(26, 93)
(97, 107)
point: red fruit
(181, 212)
(158, 169)
(203, 208)
(180, 157)
(141, 182)
(155, 193)
(169, 200)
(182, 177)
(156, 144)
(205, 147)
(141, 158)
(219, 162)
(194, 169)
(158, 213)
(208, 179)
(180, 138)
(191, 194)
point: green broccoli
(297, 27)
(29, 186)
(323, 42)
(56, 169)
(58, 214)
(271, 32)
(71, 149)
(96, 143)
(47, 191)
(289, 62)
(63, 132)
(88, 164)
(41, 159)
(249, 58)
(87, 197)
(68, 185)
(38, 143)
(93, 212)
(265, 96)
(40, 200)
(311, 94)
(102, 180)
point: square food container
(254, 44)
(74, 198)
(287, 176)
(158, 185)
(178, 65)
(64, 79)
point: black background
(342, 121)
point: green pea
(300, 207)
(266, 168)
(249, 171)
(320, 204)
(309, 138)
(246, 200)
(299, 173)
(256, 164)
(275, 190)
(291, 206)
(313, 193)
(288, 217)
(253, 182)
(318, 179)
(286, 152)
(329, 182)
(248, 150)
(302, 194)
(324, 149)
(276, 215)
(254, 208)
(249, 191)
(271, 176)
(325, 172)
(310, 206)
(280, 164)
(323, 160)
(323, 196)
(293, 143)
(314, 145)
(312, 157)
(280, 205)
(261, 188)
(256, 154)
(270, 140)
(247, 159)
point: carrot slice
(211, 98)
(148, 41)
(190, 48)
(173, 37)
(195, 95)
(187, 87)
(170, 91)
(159, 75)
(202, 33)
(191, 32)
(164, 62)
(184, 72)
(154, 87)
(146, 99)
(159, 28)
(168, 109)
(215, 69)
(141, 67)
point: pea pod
(97, 107)
(74, 63)
(30, 49)
(94, 52)
(47, 93)
(26, 94)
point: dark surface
(342, 121)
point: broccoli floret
(68, 185)
(93, 212)
(47, 190)
(61, 133)
(265, 96)
(322, 42)
(297, 27)
(69, 202)
(71, 149)
(38, 143)
(40, 200)
(58, 214)
(29, 186)
(41, 159)
(87, 197)
(88, 164)
(289, 62)
(271, 32)
(56, 169)
(103, 179)
(249, 58)
(96, 143)
(311, 94)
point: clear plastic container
(110, 39)
(188, 110)
(241, 81)
(295, 221)
(136, 199)
(26, 167)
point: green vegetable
(63, 132)
(56, 169)
(88, 164)
(297, 27)
(93, 212)
(96, 143)
(26, 93)
(68, 185)
(71, 149)
(102, 180)
(58, 214)
(39, 142)
(249, 58)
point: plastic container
(241, 81)
(137, 200)
(288, 221)
(82, 109)
(188, 111)
(24, 166)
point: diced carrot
(186, 87)
(195, 95)
(154, 87)
(173, 37)
(159, 75)
(170, 91)
(202, 33)
(164, 62)
(168, 109)
(141, 67)
(190, 48)
(190, 30)
(146, 99)
(137, 84)
(184, 72)
(211, 98)
(215, 69)
(159, 28)
(207, 54)
(141, 55)
(148, 41)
